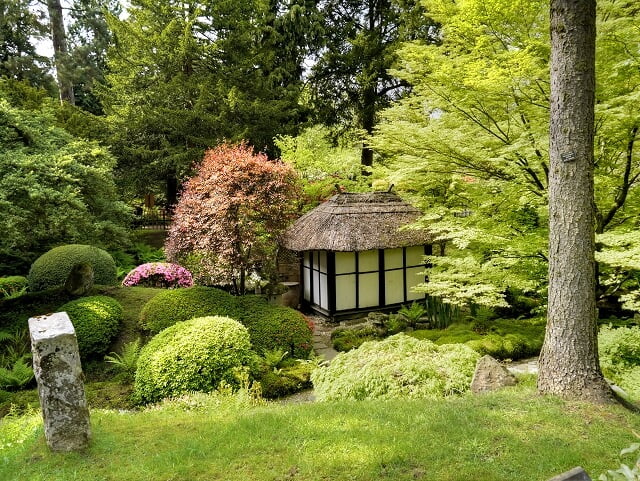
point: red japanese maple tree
(231, 213)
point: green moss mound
(398, 367)
(96, 320)
(52, 268)
(12, 284)
(270, 327)
(194, 355)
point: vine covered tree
(230, 214)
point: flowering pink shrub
(159, 274)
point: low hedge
(194, 355)
(52, 268)
(270, 327)
(96, 320)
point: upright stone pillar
(56, 363)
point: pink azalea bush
(159, 274)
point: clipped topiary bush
(52, 268)
(270, 327)
(275, 327)
(12, 284)
(398, 367)
(96, 320)
(194, 355)
(172, 306)
(159, 274)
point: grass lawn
(511, 435)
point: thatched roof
(357, 222)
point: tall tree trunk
(59, 39)
(569, 365)
(368, 121)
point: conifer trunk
(569, 365)
(59, 40)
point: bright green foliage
(626, 472)
(619, 352)
(321, 164)
(619, 348)
(54, 189)
(501, 338)
(127, 360)
(398, 367)
(287, 380)
(96, 320)
(12, 284)
(270, 327)
(17, 376)
(52, 268)
(344, 339)
(470, 141)
(195, 355)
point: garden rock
(575, 474)
(80, 279)
(56, 364)
(377, 319)
(490, 375)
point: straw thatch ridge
(357, 222)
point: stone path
(322, 330)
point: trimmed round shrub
(398, 367)
(159, 274)
(270, 327)
(52, 268)
(12, 284)
(275, 327)
(194, 355)
(96, 320)
(172, 306)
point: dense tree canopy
(477, 123)
(54, 189)
(227, 222)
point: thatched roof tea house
(355, 254)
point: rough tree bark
(569, 365)
(59, 39)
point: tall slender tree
(569, 364)
(351, 81)
(60, 50)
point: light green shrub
(96, 320)
(619, 348)
(52, 268)
(619, 352)
(398, 367)
(194, 355)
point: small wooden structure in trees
(357, 254)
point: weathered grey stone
(377, 318)
(575, 474)
(490, 375)
(56, 364)
(80, 279)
